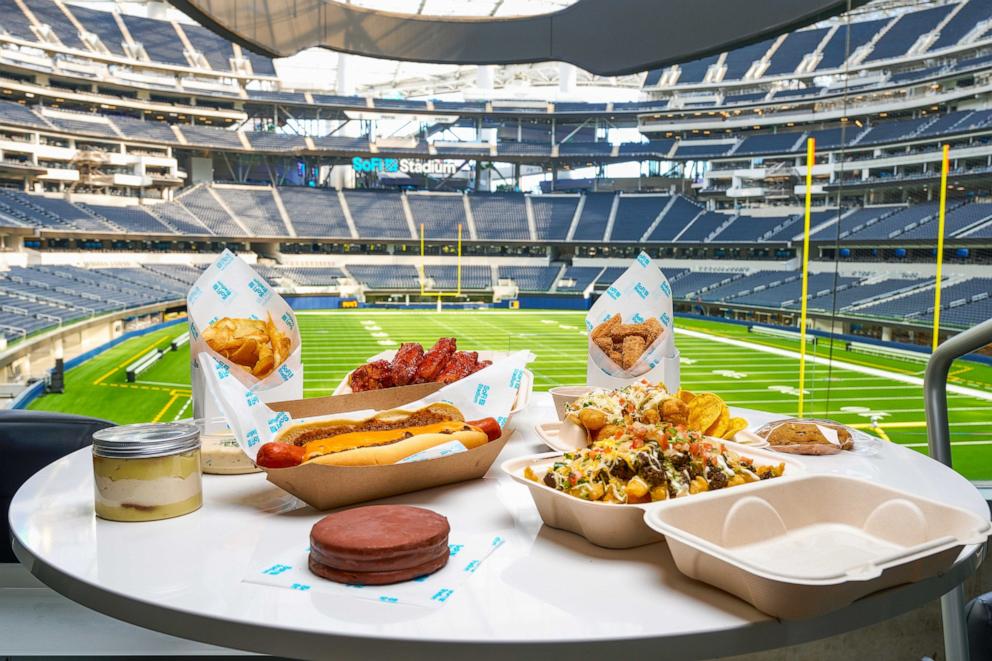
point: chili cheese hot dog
(385, 438)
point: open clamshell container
(613, 525)
(524, 391)
(800, 548)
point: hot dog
(385, 438)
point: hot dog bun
(303, 433)
(379, 455)
(385, 438)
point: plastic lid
(146, 440)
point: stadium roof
(494, 8)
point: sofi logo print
(643, 259)
(481, 394)
(454, 549)
(194, 294)
(637, 318)
(252, 438)
(225, 260)
(515, 378)
(665, 319)
(222, 290)
(665, 287)
(223, 371)
(287, 319)
(613, 293)
(641, 290)
(251, 399)
(442, 594)
(275, 423)
(258, 288)
(285, 373)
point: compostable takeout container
(324, 487)
(800, 548)
(613, 525)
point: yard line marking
(133, 358)
(165, 383)
(172, 400)
(953, 445)
(971, 392)
(183, 409)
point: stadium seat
(29, 441)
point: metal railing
(939, 439)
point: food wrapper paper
(489, 393)
(231, 288)
(285, 566)
(641, 292)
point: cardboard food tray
(800, 548)
(613, 525)
(324, 487)
(523, 395)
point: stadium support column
(485, 78)
(567, 77)
(344, 83)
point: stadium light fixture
(604, 37)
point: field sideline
(336, 341)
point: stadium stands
(578, 278)
(784, 293)
(445, 277)
(704, 227)
(864, 293)
(553, 215)
(202, 204)
(315, 212)
(531, 278)
(378, 213)
(385, 276)
(689, 285)
(595, 217)
(255, 208)
(440, 214)
(635, 215)
(500, 217)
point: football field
(746, 370)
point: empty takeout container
(800, 548)
(613, 525)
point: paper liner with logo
(641, 292)
(523, 394)
(231, 288)
(487, 393)
(801, 548)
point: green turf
(335, 341)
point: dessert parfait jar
(147, 472)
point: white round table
(547, 593)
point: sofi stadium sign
(404, 165)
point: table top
(532, 597)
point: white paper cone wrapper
(641, 292)
(231, 288)
(489, 393)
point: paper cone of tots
(632, 330)
(235, 317)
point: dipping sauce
(147, 472)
